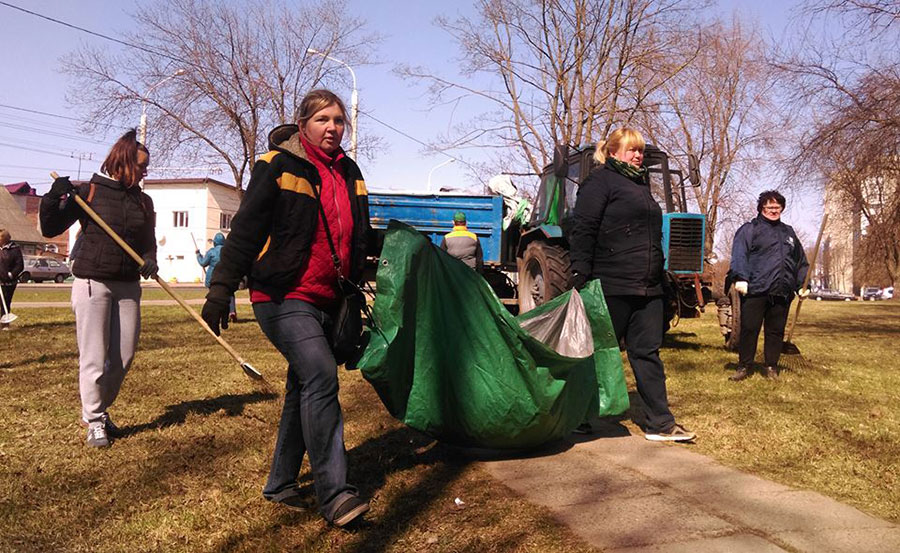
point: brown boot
(740, 374)
(771, 373)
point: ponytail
(623, 136)
(122, 161)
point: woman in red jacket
(278, 238)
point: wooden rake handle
(140, 261)
(812, 267)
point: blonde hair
(619, 138)
(4, 236)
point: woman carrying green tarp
(617, 238)
(450, 360)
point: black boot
(740, 374)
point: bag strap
(337, 265)
(334, 256)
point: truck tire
(733, 338)
(543, 274)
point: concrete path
(627, 495)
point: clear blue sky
(32, 48)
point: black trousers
(8, 291)
(639, 320)
(756, 310)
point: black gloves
(149, 268)
(579, 280)
(215, 312)
(61, 187)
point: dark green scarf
(627, 170)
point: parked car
(834, 295)
(887, 293)
(872, 293)
(40, 269)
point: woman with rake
(11, 266)
(303, 222)
(106, 294)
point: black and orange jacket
(272, 232)
(127, 210)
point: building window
(225, 221)
(180, 218)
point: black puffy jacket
(272, 231)
(128, 211)
(11, 263)
(617, 234)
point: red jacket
(316, 281)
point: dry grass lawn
(189, 472)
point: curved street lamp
(354, 99)
(143, 127)
(451, 160)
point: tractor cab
(543, 247)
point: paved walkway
(628, 495)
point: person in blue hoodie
(210, 260)
(768, 266)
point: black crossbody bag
(346, 333)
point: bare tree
(563, 71)
(720, 110)
(853, 140)
(243, 67)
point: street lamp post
(451, 160)
(354, 100)
(143, 127)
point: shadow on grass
(232, 404)
(45, 358)
(676, 340)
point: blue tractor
(543, 247)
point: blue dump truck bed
(432, 214)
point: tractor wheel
(543, 274)
(733, 338)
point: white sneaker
(677, 433)
(96, 435)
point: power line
(48, 114)
(101, 35)
(416, 140)
(16, 146)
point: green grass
(37, 293)
(189, 474)
(832, 426)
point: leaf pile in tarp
(449, 359)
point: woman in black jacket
(304, 185)
(617, 237)
(106, 294)
(11, 265)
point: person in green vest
(463, 244)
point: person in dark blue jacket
(210, 260)
(768, 266)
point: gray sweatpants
(107, 326)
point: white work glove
(741, 287)
(803, 292)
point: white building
(189, 213)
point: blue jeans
(311, 420)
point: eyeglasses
(773, 209)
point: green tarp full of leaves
(449, 359)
